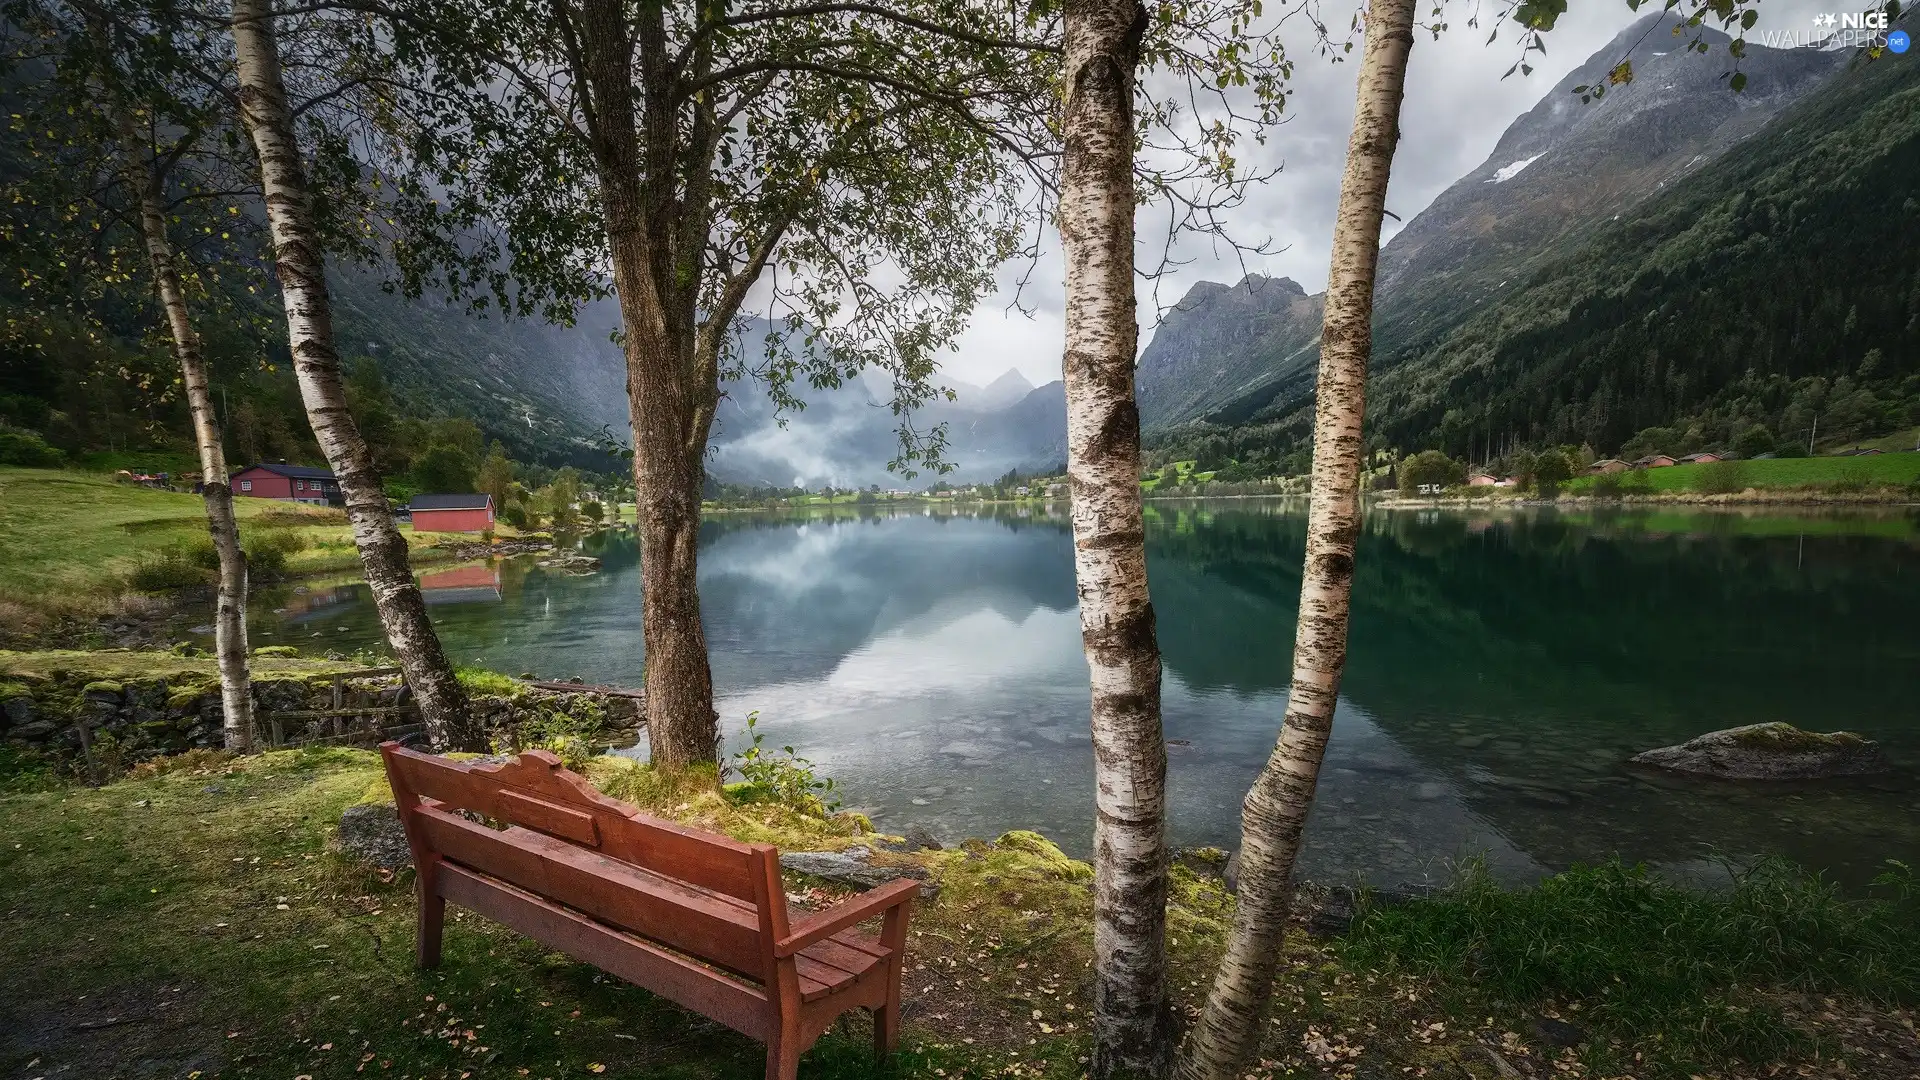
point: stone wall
(132, 720)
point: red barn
(452, 513)
(288, 483)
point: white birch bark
(1132, 1029)
(230, 605)
(1275, 811)
(300, 263)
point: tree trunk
(300, 264)
(230, 611)
(668, 442)
(1132, 1025)
(1275, 811)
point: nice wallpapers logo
(1847, 29)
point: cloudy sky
(1457, 106)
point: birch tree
(1274, 812)
(141, 149)
(146, 177)
(1275, 809)
(299, 251)
(1132, 1034)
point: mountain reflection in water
(1502, 669)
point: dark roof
(293, 472)
(451, 502)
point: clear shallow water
(1502, 669)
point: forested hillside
(1775, 283)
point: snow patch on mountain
(1508, 172)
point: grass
(205, 900)
(1690, 980)
(130, 665)
(1896, 469)
(74, 540)
(199, 903)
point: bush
(1720, 478)
(176, 566)
(784, 778)
(267, 551)
(1609, 486)
(26, 448)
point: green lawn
(70, 538)
(1897, 469)
(196, 924)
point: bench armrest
(824, 924)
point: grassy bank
(71, 542)
(1838, 475)
(196, 920)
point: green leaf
(1739, 81)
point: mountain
(1219, 344)
(544, 391)
(1561, 176)
(1009, 389)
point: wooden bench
(694, 917)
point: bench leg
(886, 1029)
(783, 1059)
(886, 1019)
(433, 913)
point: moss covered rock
(1770, 752)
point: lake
(1503, 667)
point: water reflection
(1502, 669)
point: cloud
(1457, 106)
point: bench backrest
(696, 892)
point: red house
(288, 483)
(452, 513)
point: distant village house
(288, 483)
(452, 513)
(1609, 465)
(1481, 479)
(1653, 461)
(1699, 459)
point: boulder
(1770, 752)
(912, 838)
(852, 869)
(16, 711)
(372, 833)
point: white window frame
(246, 485)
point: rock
(1558, 1033)
(852, 870)
(1770, 752)
(33, 732)
(913, 838)
(1230, 873)
(571, 563)
(371, 833)
(1203, 862)
(1326, 912)
(16, 712)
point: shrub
(267, 551)
(1720, 478)
(1609, 486)
(176, 566)
(29, 449)
(785, 778)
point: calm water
(1502, 669)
